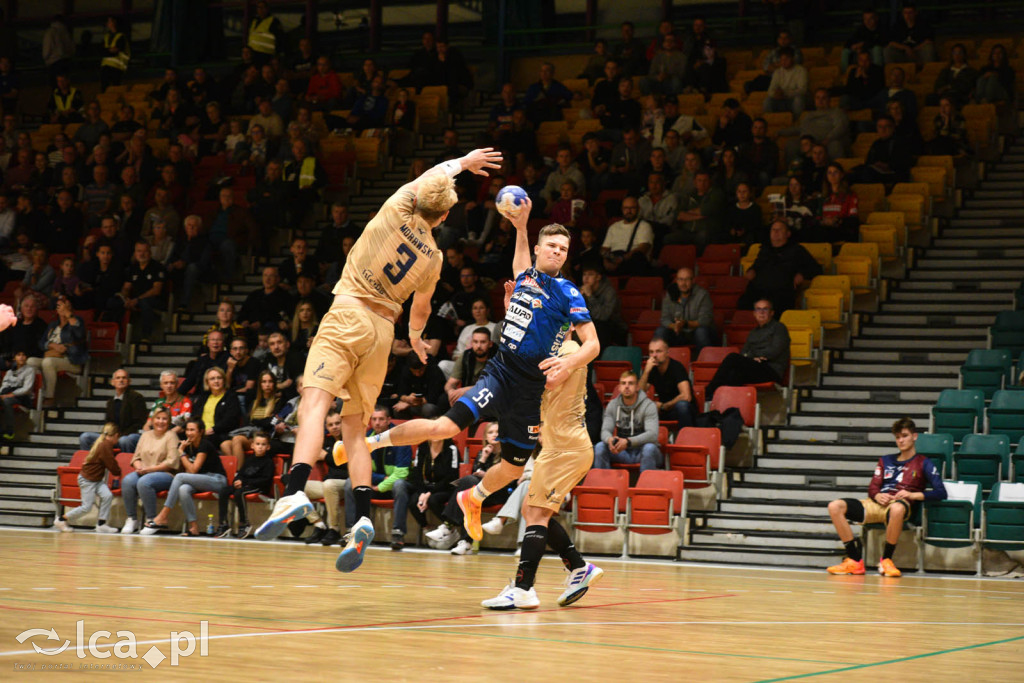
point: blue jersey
(538, 318)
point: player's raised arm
(522, 258)
(478, 161)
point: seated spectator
(863, 83)
(799, 210)
(628, 242)
(565, 170)
(214, 355)
(709, 71)
(997, 80)
(700, 215)
(593, 162)
(568, 207)
(435, 467)
(65, 104)
(421, 390)
(101, 281)
(481, 312)
(286, 365)
(39, 278)
(306, 289)
(330, 489)
(837, 218)
(64, 349)
(232, 226)
(827, 125)
(764, 358)
(671, 382)
(201, 470)
(889, 158)
(772, 61)
(696, 37)
(729, 175)
(630, 52)
(241, 371)
(734, 126)
(304, 325)
(142, 292)
(744, 218)
(328, 248)
(545, 99)
(261, 417)
(604, 305)
(622, 113)
(161, 246)
(760, 156)
(15, 390)
(596, 62)
(500, 117)
(906, 129)
(324, 91)
(606, 90)
(268, 308)
(519, 142)
(255, 475)
(899, 483)
(67, 282)
(461, 300)
(911, 39)
(668, 69)
(177, 405)
(92, 482)
(307, 176)
(389, 477)
(629, 433)
(24, 337)
(957, 80)
(153, 467)
(300, 261)
(470, 363)
(657, 206)
(687, 314)
(220, 406)
(869, 38)
(126, 409)
(225, 324)
(370, 110)
(787, 90)
(950, 131)
(781, 267)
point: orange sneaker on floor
(471, 514)
(847, 566)
(887, 568)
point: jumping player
(898, 485)
(395, 257)
(543, 307)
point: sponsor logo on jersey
(533, 429)
(578, 309)
(529, 282)
(537, 303)
(520, 315)
(574, 291)
(319, 372)
(372, 281)
(513, 332)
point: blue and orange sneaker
(288, 508)
(470, 514)
(360, 538)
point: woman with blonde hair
(218, 408)
(92, 482)
(153, 468)
(304, 324)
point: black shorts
(511, 398)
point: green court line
(893, 661)
(162, 610)
(641, 647)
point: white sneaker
(287, 509)
(513, 598)
(61, 525)
(494, 526)
(443, 537)
(463, 547)
(578, 582)
(107, 529)
(129, 526)
(361, 536)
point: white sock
(382, 440)
(320, 525)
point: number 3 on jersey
(397, 270)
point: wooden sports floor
(280, 611)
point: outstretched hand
(479, 160)
(520, 222)
(419, 347)
(510, 286)
(556, 370)
(7, 317)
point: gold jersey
(395, 256)
(563, 410)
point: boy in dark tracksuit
(434, 468)
(255, 476)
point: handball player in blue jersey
(543, 307)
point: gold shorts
(349, 357)
(555, 473)
(874, 513)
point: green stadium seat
(632, 354)
(954, 522)
(1005, 414)
(1002, 525)
(1017, 464)
(984, 458)
(938, 447)
(987, 369)
(1007, 332)
(958, 412)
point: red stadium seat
(676, 256)
(745, 399)
(707, 362)
(610, 370)
(600, 501)
(68, 493)
(655, 503)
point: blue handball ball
(510, 201)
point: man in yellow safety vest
(266, 34)
(116, 55)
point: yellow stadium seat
(802, 352)
(913, 208)
(831, 304)
(814, 57)
(936, 178)
(580, 85)
(430, 117)
(438, 91)
(858, 269)
(861, 115)
(369, 153)
(894, 218)
(809, 318)
(821, 76)
(587, 125)
(870, 197)
(754, 104)
(822, 253)
(750, 257)
(867, 250)
(942, 161)
(886, 237)
(850, 163)
(909, 68)
(839, 282)
(553, 128)
(570, 115)
(159, 147)
(863, 143)
(691, 104)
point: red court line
(121, 616)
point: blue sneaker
(295, 506)
(578, 583)
(360, 538)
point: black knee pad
(461, 415)
(854, 510)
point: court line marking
(856, 667)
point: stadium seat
(676, 256)
(630, 354)
(859, 270)
(822, 253)
(697, 452)
(886, 237)
(748, 259)
(938, 448)
(681, 354)
(745, 399)
(830, 304)
(958, 412)
(986, 369)
(984, 458)
(1003, 518)
(867, 250)
(599, 503)
(68, 493)
(897, 219)
(953, 523)
(655, 503)
(1007, 332)
(644, 285)
(703, 369)
(1005, 414)
(641, 335)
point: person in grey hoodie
(16, 389)
(629, 433)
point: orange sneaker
(887, 568)
(471, 514)
(339, 454)
(847, 566)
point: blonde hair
(217, 370)
(109, 429)
(435, 195)
(296, 325)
